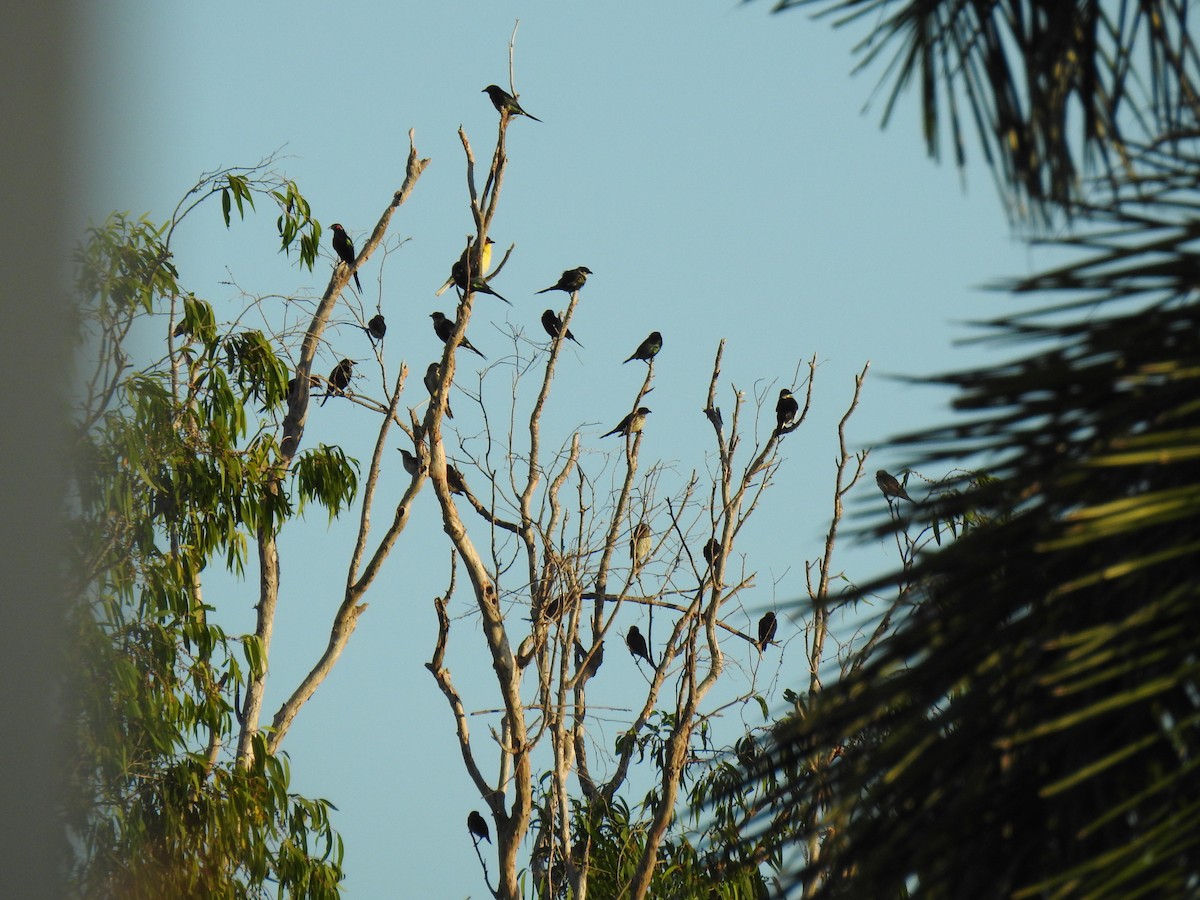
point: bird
(891, 487)
(411, 464)
(344, 248)
(377, 327)
(766, 630)
(505, 102)
(597, 657)
(570, 280)
(444, 327)
(485, 260)
(637, 644)
(433, 374)
(631, 424)
(553, 609)
(454, 480)
(712, 550)
(339, 378)
(459, 275)
(647, 349)
(639, 543)
(477, 825)
(785, 410)
(553, 325)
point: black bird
(459, 274)
(553, 325)
(454, 480)
(553, 609)
(477, 825)
(597, 658)
(458, 270)
(505, 102)
(785, 410)
(444, 327)
(344, 248)
(891, 487)
(639, 544)
(433, 375)
(631, 424)
(766, 630)
(647, 349)
(411, 464)
(313, 381)
(377, 327)
(637, 644)
(339, 378)
(570, 280)
(712, 550)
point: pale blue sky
(709, 162)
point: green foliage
(171, 478)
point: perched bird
(339, 378)
(377, 327)
(597, 657)
(647, 349)
(313, 381)
(444, 327)
(454, 480)
(505, 102)
(570, 280)
(785, 410)
(637, 644)
(477, 825)
(553, 609)
(459, 274)
(411, 464)
(891, 487)
(639, 543)
(553, 325)
(631, 424)
(433, 375)
(344, 248)
(712, 550)
(766, 630)
(485, 260)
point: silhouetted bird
(454, 480)
(785, 410)
(344, 248)
(597, 657)
(891, 487)
(485, 260)
(505, 102)
(712, 550)
(477, 825)
(313, 381)
(637, 644)
(433, 375)
(444, 327)
(647, 349)
(339, 378)
(639, 543)
(553, 325)
(570, 280)
(411, 464)
(631, 424)
(478, 285)
(766, 630)
(377, 327)
(553, 609)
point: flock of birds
(466, 275)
